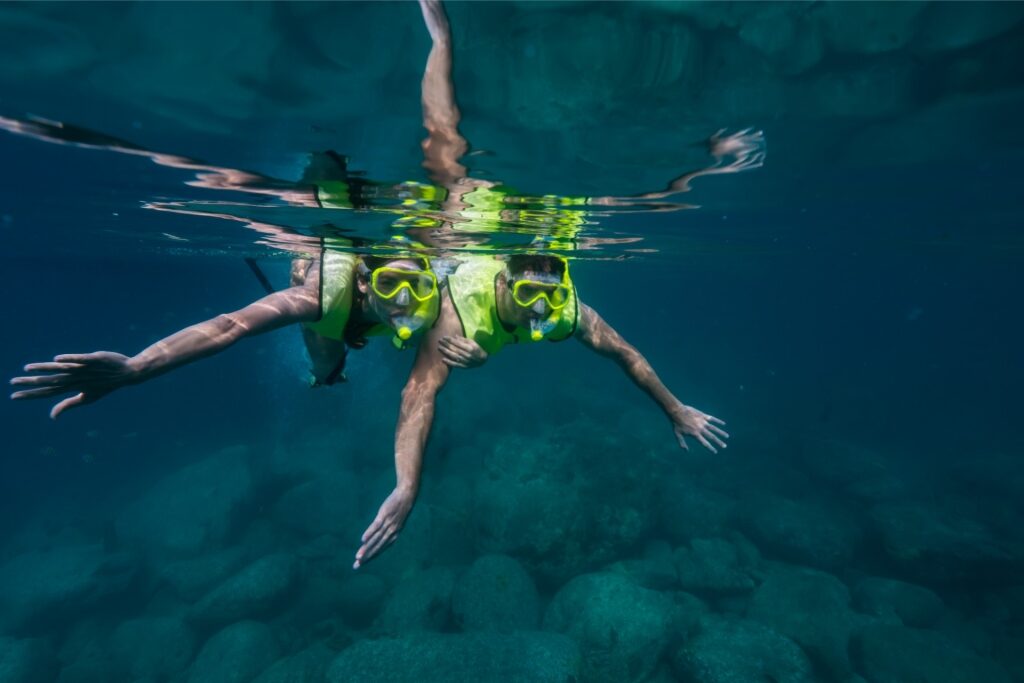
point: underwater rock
(421, 602)
(537, 519)
(84, 653)
(259, 589)
(938, 546)
(889, 653)
(728, 650)
(689, 510)
(191, 579)
(46, 47)
(302, 667)
(154, 73)
(861, 472)
(802, 532)
(890, 599)
(155, 647)
(812, 608)
(956, 25)
(557, 505)
(495, 594)
(878, 89)
(62, 583)
(713, 567)
(621, 627)
(522, 657)
(236, 654)
(328, 504)
(192, 510)
(355, 597)
(655, 570)
(361, 598)
(787, 35)
(869, 27)
(1009, 652)
(26, 661)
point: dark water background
(852, 309)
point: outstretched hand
(747, 148)
(92, 376)
(384, 530)
(461, 352)
(703, 427)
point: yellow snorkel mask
(533, 293)
(414, 290)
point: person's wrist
(137, 369)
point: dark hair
(537, 263)
(374, 262)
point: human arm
(599, 336)
(92, 376)
(206, 175)
(428, 376)
(444, 145)
(733, 153)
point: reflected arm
(444, 145)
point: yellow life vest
(472, 291)
(337, 279)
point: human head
(400, 290)
(532, 291)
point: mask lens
(388, 281)
(527, 292)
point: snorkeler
(340, 299)
(527, 298)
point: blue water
(850, 307)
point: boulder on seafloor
(236, 654)
(713, 567)
(690, 510)
(655, 570)
(43, 589)
(256, 591)
(534, 500)
(522, 657)
(328, 504)
(192, 578)
(26, 661)
(956, 25)
(728, 650)
(813, 609)
(621, 627)
(193, 510)
(889, 653)
(802, 531)
(935, 545)
(869, 27)
(420, 602)
(495, 594)
(306, 666)
(355, 597)
(890, 599)
(151, 647)
(860, 471)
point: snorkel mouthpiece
(404, 333)
(541, 328)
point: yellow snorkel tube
(404, 287)
(534, 294)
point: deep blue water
(850, 308)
